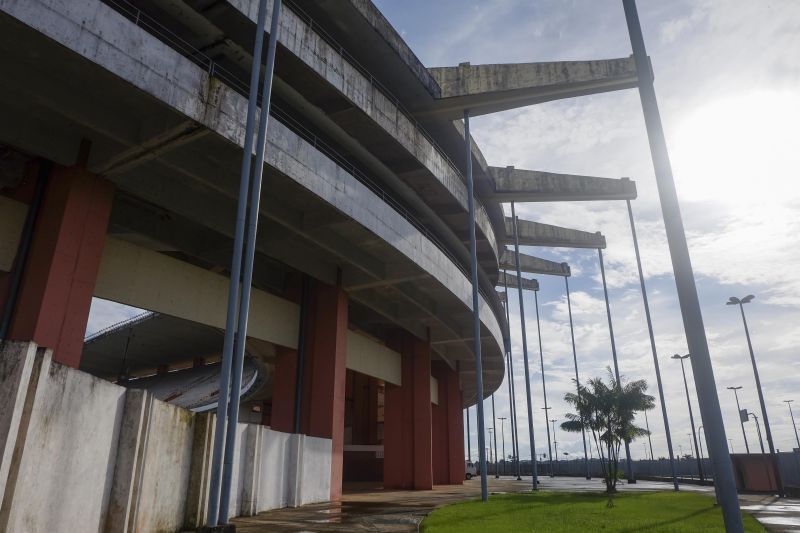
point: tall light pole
(628, 462)
(494, 430)
(476, 319)
(532, 440)
(725, 484)
(733, 300)
(503, 439)
(577, 379)
(681, 358)
(490, 431)
(758, 430)
(555, 442)
(653, 350)
(544, 386)
(789, 404)
(647, 425)
(549, 449)
(739, 412)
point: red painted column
(407, 442)
(324, 374)
(283, 390)
(455, 428)
(59, 277)
(440, 449)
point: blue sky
(727, 78)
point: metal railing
(152, 26)
(141, 317)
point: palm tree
(607, 412)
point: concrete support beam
(533, 265)
(538, 234)
(518, 185)
(511, 281)
(53, 304)
(487, 89)
(407, 420)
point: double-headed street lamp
(741, 419)
(733, 300)
(681, 358)
(789, 403)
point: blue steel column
(631, 478)
(653, 349)
(577, 378)
(236, 267)
(711, 413)
(247, 277)
(535, 477)
(476, 317)
(544, 386)
(494, 432)
(511, 387)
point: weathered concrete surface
(518, 185)
(68, 437)
(497, 87)
(511, 281)
(16, 365)
(538, 234)
(533, 265)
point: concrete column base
(224, 528)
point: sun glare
(740, 150)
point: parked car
(471, 469)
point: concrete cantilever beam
(518, 185)
(533, 265)
(487, 89)
(510, 280)
(538, 234)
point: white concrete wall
(66, 448)
(83, 454)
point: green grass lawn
(583, 512)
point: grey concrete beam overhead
(533, 265)
(491, 88)
(510, 281)
(538, 234)
(519, 185)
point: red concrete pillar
(283, 390)
(455, 428)
(59, 277)
(407, 441)
(440, 450)
(324, 374)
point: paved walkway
(370, 508)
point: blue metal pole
(236, 268)
(653, 349)
(577, 378)
(706, 386)
(511, 387)
(628, 462)
(476, 317)
(544, 386)
(535, 478)
(247, 278)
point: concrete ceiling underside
(176, 186)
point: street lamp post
(494, 430)
(650, 440)
(555, 442)
(758, 430)
(789, 404)
(549, 449)
(739, 412)
(503, 439)
(691, 415)
(490, 431)
(733, 300)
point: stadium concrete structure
(120, 152)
